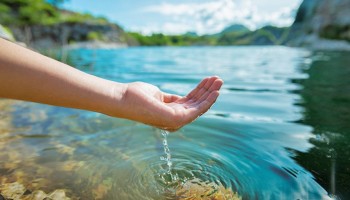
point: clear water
(279, 130)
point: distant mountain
(235, 28)
(233, 35)
(268, 35)
(193, 34)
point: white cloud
(213, 16)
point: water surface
(279, 130)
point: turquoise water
(279, 129)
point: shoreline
(313, 42)
(95, 45)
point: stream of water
(167, 157)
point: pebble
(17, 191)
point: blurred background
(44, 24)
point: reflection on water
(267, 137)
(326, 97)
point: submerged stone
(58, 195)
(38, 195)
(17, 191)
(199, 190)
(12, 190)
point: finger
(215, 86)
(199, 86)
(203, 106)
(168, 98)
(205, 88)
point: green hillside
(40, 12)
(268, 35)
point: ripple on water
(143, 175)
(231, 158)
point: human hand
(147, 104)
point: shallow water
(279, 130)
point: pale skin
(30, 76)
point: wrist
(115, 95)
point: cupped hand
(145, 103)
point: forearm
(26, 75)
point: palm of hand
(171, 112)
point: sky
(181, 16)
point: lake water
(279, 130)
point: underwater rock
(37, 195)
(64, 149)
(199, 190)
(40, 195)
(58, 195)
(17, 191)
(12, 190)
(102, 189)
(70, 166)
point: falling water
(167, 156)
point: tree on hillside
(24, 12)
(56, 3)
